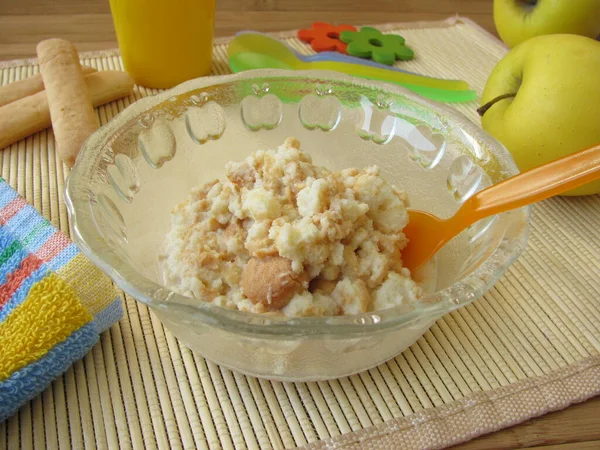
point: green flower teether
(372, 43)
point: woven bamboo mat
(529, 346)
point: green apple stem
(482, 110)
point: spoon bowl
(427, 233)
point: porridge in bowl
(280, 235)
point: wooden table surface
(88, 24)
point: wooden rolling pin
(31, 114)
(29, 86)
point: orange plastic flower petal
(324, 37)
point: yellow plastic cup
(164, 43)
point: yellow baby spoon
(251, 50)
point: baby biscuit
(31, 114)
(271, 281)
(71, 110)
(29, 86)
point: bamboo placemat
(529, 346)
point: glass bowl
(131, 172)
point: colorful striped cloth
(54, 302)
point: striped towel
(54, 302)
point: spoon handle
(536, 184)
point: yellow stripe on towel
(49, 314)
(95, 290)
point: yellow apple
(519, 20)
(552, 108)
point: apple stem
(482, 110)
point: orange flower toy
(324, 37)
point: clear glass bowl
(132, 171)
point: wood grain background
(87, 23)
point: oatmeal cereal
(281, 235)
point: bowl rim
(157, 296)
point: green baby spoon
(249, 51)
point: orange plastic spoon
(427, 233)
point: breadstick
(31, 114)
(71, 110)
(29, 86)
